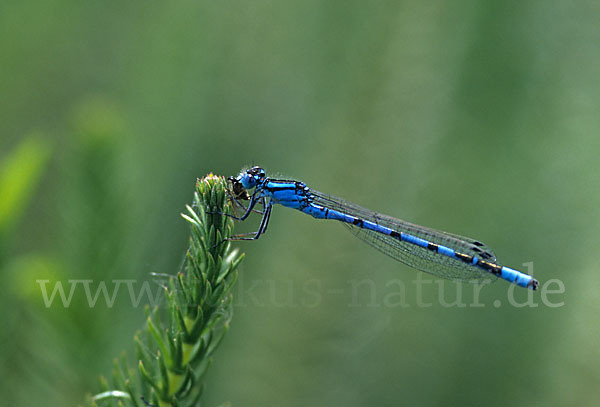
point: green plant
(20, 174)
(175, 348)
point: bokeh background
(480, 118)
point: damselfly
(440, 253)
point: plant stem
(176, 346)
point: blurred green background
(480, 118)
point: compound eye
(256, 172)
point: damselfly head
(251, 177)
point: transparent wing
(410, 254)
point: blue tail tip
(533, 284)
